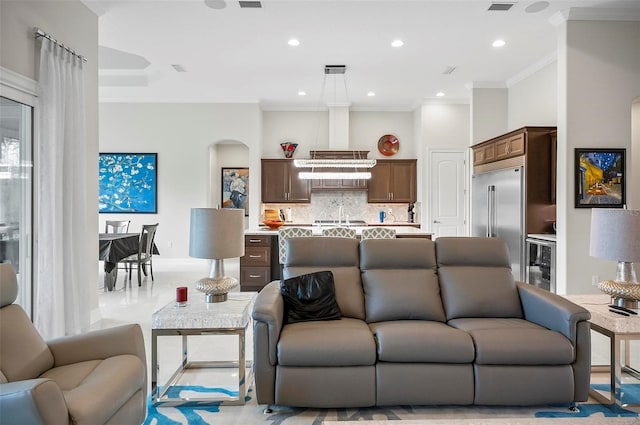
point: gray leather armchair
(95, 378)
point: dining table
(113, 248)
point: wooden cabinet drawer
(510, 147)
(258, 256)
(261, 240)
(255, 276)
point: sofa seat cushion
(473, 324)
(523, 346)
(344, 342)
(115, 379)
(420, 341)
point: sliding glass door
(16, 200)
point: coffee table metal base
(244, 368)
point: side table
(231, 317)
(620, 330)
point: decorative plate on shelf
(388, 145)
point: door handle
(436, 221)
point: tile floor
(137, 304)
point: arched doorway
(227, 155)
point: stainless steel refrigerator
(497, 210)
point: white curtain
(61, 258)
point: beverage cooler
(541, 261)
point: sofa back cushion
(476, 279)
(338, 255)
(399, 280)
(23, 352)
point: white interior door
(448, 193)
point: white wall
(366, 128)
(309, 129)
(73, 24)
(446, 126)
(182, 135)
(488, 113)
(533, 101)
(598, 79)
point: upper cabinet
(280, 182)
(393, 181)
(510, 145)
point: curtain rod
(39, 33)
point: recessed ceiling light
(302, 93)
(537, 7)
(397, 43)
(498, 43)
(293, 42)
(216, 4)
(371, 94)
(440, 94)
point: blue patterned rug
(197, 413)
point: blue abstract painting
(128, 182)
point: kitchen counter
(406, 231)
(549, 237)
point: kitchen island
(260, 264)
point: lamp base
(216, 288)
(624, 302)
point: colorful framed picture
(599, 178)
(128, 183)
(235, 188)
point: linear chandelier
(335, 175)
(334, 163)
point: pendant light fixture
(335, 168)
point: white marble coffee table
(231, 317)
(620, 330)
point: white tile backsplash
(325, 206)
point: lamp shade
(615, 234)
(216, 233)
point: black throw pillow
(310, 297)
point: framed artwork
(599, 178)
(235, 188)
(128, 183)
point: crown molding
(594, 14)
(486, 85)
(532, 69)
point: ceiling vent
(449, 70)
(250, 5)
(335, 69)
(503, 7)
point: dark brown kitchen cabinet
(393, 181)
(280, 182)
(259, 264)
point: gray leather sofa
(90, 379)
(423, 323)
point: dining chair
(339, 232)
(377, 233)
(145, 253)
(287, 233)
(117, 226)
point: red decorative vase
(288, 148)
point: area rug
(194, 413)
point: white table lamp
(216, 234)
(615, 235)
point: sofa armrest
(551, 311)
(99, 345)
(269, 308)
(34, 401)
